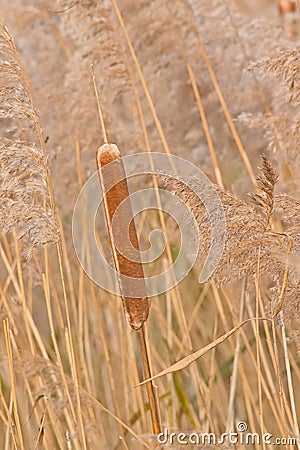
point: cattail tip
(107, 153)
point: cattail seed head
(124, 243)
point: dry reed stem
(268, 379)
(10, 427)
(40, 437)
(279, 380)
(222, 101)
(271, 345)
(55, 343)
(13, 382)
(205, 127)
(67, 313)
(249, 395)
(75, 380)
(258, 349)
(103, 333)
(284, 283)
(102, 124)
(67, 267)
(290, 382)
(23, 295)
(234, 376)
(280, 421)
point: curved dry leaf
(184, 362)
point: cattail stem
(136, 308)
(150, 387)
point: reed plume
(248, 232)
(24, 178)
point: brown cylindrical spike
(123, 242)
(126, 255)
